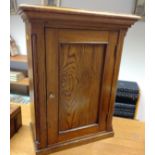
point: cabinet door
(79, 71)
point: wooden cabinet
(74, 59)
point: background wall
(133, 59)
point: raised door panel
(78, 91)
(80, 84)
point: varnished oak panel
(80, 74)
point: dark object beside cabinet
(74, 59)
(126, 99)
(15, 119)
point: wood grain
(36, 58)
(52, 84)
(79, 17)
(80, 74)
(74, 11)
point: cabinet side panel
(118, 54)
(36, 60)
(107, 79)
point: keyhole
(51, 96)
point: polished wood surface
(80, 75)
(74, 11)
(129, 139)
(75, 18)
(82, 56)
(74, 58)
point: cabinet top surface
(69, 18)
(60, 10)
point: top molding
(47, 13)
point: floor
(128, 140)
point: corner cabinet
(74, 59)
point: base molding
(75, 142)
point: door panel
(76, 64)
(80, 76)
